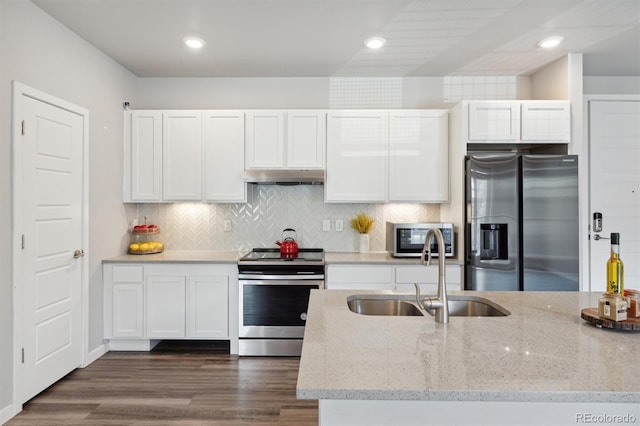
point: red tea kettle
(288, 245)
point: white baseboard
(95, 354)
(7, 413)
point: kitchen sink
(473, 306)
(389, 307)
(459, 306)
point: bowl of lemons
(146, 247)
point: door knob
(78, 253)
(598, 237)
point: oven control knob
(303, 316)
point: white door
(614, 129)
(51, 220)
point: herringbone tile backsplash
(269, 210)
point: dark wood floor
(174, 385)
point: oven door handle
(319, 283)
(289, 278)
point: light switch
(339, 225)
(326, 225)
(227, 225)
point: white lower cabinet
(427, 277)
(208, 313)
(166, 307)
(145, 303)
(128, 310)
(399, 278)
(359, 277)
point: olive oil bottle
(615, 267)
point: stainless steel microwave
(407, 239)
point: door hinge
(22, 241)
(22, 127)
(23, 355)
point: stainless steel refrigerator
(522, 222)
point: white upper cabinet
(224, 156)
(494, 121)
(265, 139)
(548, 121)
(182, 155)
(418, 156)
(143, 156)
(306, 135)
(518, 122)
(356, 156)
(387, 156)
(285, 139)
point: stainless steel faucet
(439, 303)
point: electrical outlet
(339, 225)
(326, 225)
(227, 225)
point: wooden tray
(591, 315)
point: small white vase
(364, 243)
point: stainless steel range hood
(284, 177)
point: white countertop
(542, 352)
(376, 257)
(226, 256)
(180, 256)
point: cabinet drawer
(426, 274)
(360, 274)
(128, 274)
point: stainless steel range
(274, 296)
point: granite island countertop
(542, 352)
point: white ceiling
(323, 38)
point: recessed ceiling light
(374, 42)
(550, 42)
(193, 42)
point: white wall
(40, 52)
(289, 93)
(612, 85)
(231, 93)
(552, 81)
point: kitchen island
(542, 364)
